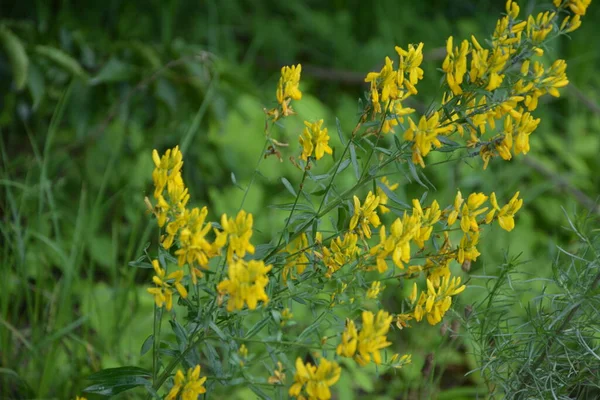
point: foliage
(105, 85)
(546, 346)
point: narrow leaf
(288, 186)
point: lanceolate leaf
(19, 61)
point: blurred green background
(88, 89)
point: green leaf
(257, 327)
(113, 373)
(114, 70)
(147, 345)
(116, 386)
(62, 59)
(140, 263)
(112, 381)
(343, 165)
(15, 50)
(36, 85)
(288, 186)
(415, 175)
(391, 195)
(180, 334)
(340, 132)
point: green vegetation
(88, 90)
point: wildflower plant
(230, 301)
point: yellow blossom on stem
(383, 197)
(410, 61)
(471, 210)
(287, 90)
(467, 250)
(163, 292)
(374, 290)
(245, 284)
(506, 214)
(316, 381)
(365, 215)
(538, 28)
(385, 85)
(455, 64)
(397, 244)
(189, 386)
(425, 135)
(349, 340)
(239, 232)
(578, 7)
(340, 252)
(458, 202)
(427, 218)
(372, 336)
(278, 377)
(314, 141)
(402, 320)
(437, 301)
(297, 258)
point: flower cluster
(315, 381)
(189, 386)
(476, 79)
(365, 345)
(245, 284)
(490, 90)
(314, 141)
(189, 230)
(287, 90)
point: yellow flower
(246, 283)
(579, 7)
(455, 64)
(385, 85)
(410, 60)
(189, 386)
(437, 301)
(372, 336)
(340, 252)
(471, 210)
(538, 28)
(297, 257)
(287, 90)
(425, 136)
(314, 140)
(397, 244)
(396, 114)
(569, 25)
(243, 351)
(399, 362)
(365, 215)
(506, 214)
(349, 340)
(278, 376)
(467, 250)
(167, 175)
(383, 198)
(163, 292)
(193, 245)
(374, 290)
(80, 398)
(458, 202)
(427, 220)
(402, 320)
(524, 126)
(317, 380)
(239, 232)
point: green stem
(287, 222)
